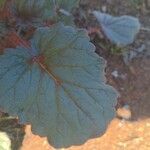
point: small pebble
(115, 74)
(124, 112)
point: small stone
(124, 112)
(115, 74)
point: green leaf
(5, 143)
(58, 86)
(60, 10)
(33, 12)
(119, 30)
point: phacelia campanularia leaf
(58, 86)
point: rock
(115, 74)
(124, 112)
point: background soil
(130, 129)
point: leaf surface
(60, 10)
(34, 12)
(62, 94)
(120, 30)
